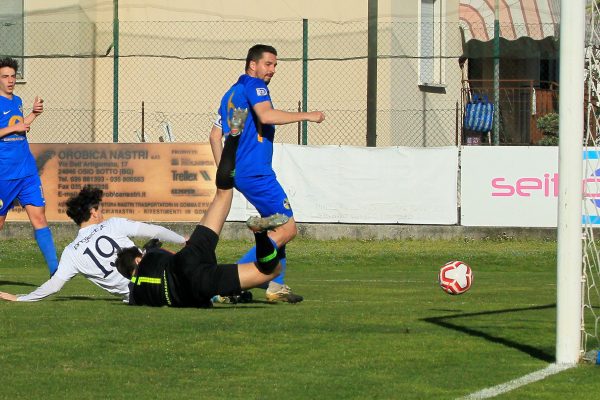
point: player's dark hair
(125, 262)
(79, 207)
(256, 52)
(9, 62)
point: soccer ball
(455, 277)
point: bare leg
(2, 219)
(251, 277)
(215, 216)
(284, 233)
(37, 216)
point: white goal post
(569, 257)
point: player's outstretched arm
(8, 296)
(268, 115)
(143, 229)
(48, 288)
(216, 143)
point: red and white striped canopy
(536, 19)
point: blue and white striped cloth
(479, 114)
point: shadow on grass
(118, 301)
(2, 283)
(86, 298)
(254, 303)
(445, 321)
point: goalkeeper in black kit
(192, 276)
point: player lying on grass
(94, 250)
(191, 277)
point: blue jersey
(255, 150)
(16, 160)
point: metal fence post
(116, 71)
(299, 124)
(304, 78)
(496, 131)
(372, 75)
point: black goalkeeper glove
(152, 244)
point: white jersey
(93, 254)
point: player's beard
(267, 78)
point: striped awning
(536, 19)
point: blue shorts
(265, 194)
(28, 191)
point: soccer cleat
(244, 297)
(221, 299)
(258, 224)
(284, 294)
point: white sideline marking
(516, 383)
(369, 280)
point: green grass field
(374, 325)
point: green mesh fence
(171, 76)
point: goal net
(590, 338)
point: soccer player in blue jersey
(254, 175)
(19, 179)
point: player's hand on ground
(38, 105)
(316, 116)
(8, 296)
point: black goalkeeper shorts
(195, 276)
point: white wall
(509, 186)
(392, 185)
(193, 10)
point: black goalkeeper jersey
(188, 278)
(175, 280)
(149, 286)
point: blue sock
(44, 240)
(250, 256)
(280, 277)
